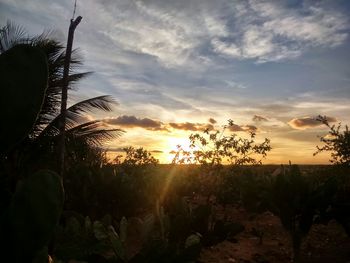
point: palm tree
(79, 132)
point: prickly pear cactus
(33, 215)
(123, 230)
(23, 81)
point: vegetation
(337, 141)
(17, 71)
(40, 146)
(39, 198)
(299, 201)
(135, 157)
(215, 147)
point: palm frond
(72, 79)
(103, 103)
(94, 132)
(47, 124)
(51, 106)
(98, 137)
(11, 35)
(75, 114)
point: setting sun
(171, 147)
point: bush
(337, 141)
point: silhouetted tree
(337, 141)
(43, 139)
(213, 147)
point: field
(227, 217)
(324, 243)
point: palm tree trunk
(72, 26)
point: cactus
(290, 192)
(85, 240)
(88, 224)
(147, 227)
(193, 240)
(79, 240)
(28, 223)
(298, 202)
(123, 230)
(24, 76)
(33, 215)
(107, 235)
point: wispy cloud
(259, 30)
(189, 126)
(270, 31)
(258, 118)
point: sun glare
(175, 141)
(171, 146)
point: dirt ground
(323, 244)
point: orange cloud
(244, 128)
(307, 122)
(212, 121)
(189, 126)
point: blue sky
(187, 61)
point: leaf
(73, 226)
(100, 231)
(123, 229)
(116, 243)
(88, 224)
(148, 225)
(192, 240)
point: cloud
(160, 60)
(114, 149)
(235, 128)
(122, 150)
(133, 122)
(250, 128)
(272, 31)
(189, 126)
(307, 122)
(156, 151)
(169, 34)
(258, 118)
(222, 47)
(155, 125)
(277, 107)
(212, 121)
(242, 128)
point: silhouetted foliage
(138, 157)
(39, 198)
(337, 141)
(40, 147)
(300, 201)
(214, 147)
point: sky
(176, 67)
